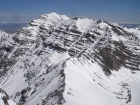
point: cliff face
(72, 61)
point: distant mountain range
(128, 24)
(12, 27)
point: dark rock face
(114, 59)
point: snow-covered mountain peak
(54, 16)
(71, 61)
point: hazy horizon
(126, 11)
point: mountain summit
(71, 61)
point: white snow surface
(134, 30)
(85, 24)
(87, 84)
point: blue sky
(109, 10)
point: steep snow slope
(71, 61)
(4, 99)
(87, 84)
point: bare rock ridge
(71, 61)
